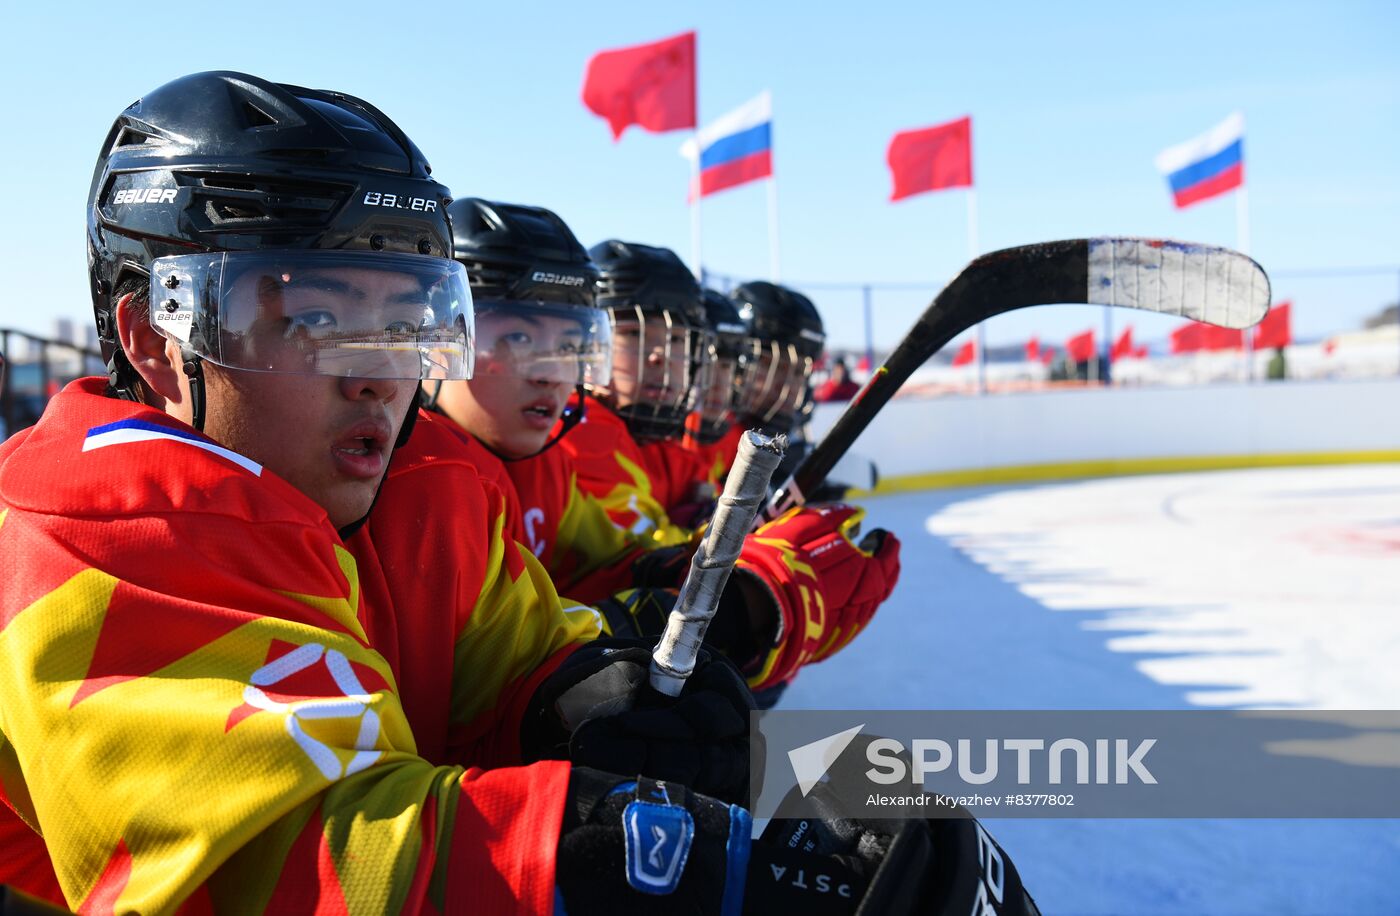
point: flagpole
(773, 227)
(1242, 245)
(971, 256)
(695, 207)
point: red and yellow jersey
(587, 556)
(677, 474)
(441, 549)
(196, 706)
(613, 469)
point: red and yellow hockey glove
(826, 586)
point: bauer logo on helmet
(400, 202)
(144, 196)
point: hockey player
(207, 694)
(820, 586)
(712, 431)
(540, 338)
(785, 338)
(658, 336)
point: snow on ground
(1275, 587)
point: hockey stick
(1209, 284)
(744, 492)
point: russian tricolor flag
(1211, 164)
(736, 148)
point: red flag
(1047, 356)
(1123, 346)
(1188, 338)
(1140, 352)
(1033, 349)
(651, 85)
(864, 364)
(966, 354)
(1081, 347)
(1223, 338)
(1276, 330)
(931, 159)
(1328, 346)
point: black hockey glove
(598, 710)
(742, 613)
(641, 846)
(946, 865)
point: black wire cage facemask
(773, 386)
(659, 361)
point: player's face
(331, 438)
(513, 401)
(651, 364)
(719, 388)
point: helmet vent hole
(228, 184)
(227, 211)
(256, 116)
(131, 136)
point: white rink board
(919, 436)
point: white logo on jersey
(354, 704)
(534, 516)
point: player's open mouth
(541, 414)
(363, 451)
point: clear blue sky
(1070, 103)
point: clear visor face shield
(358, 314)
(658, 359)
(773, 389)
(543, 341)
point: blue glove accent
(658, 838)
(737, 852)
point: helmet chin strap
(194, 371)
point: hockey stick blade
(1201, 282)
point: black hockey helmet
(648, 278)
(723, 319)
(785, 339)
(517, 252)
(227, 162)
(658, 325)
(534, 290)
(779, 314)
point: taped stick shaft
(745, 491)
